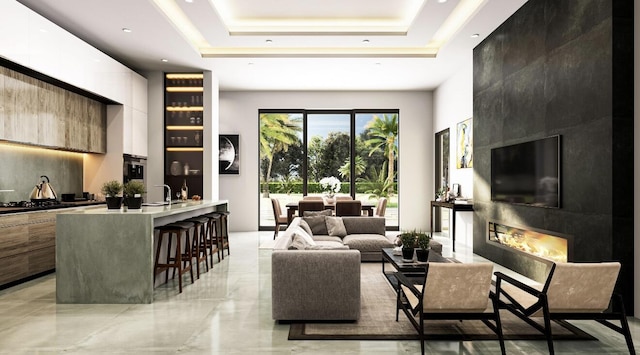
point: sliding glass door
(300, 148)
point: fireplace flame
(538, 244)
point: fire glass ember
(539, 244)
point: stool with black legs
(215, 227)
(199, 242)
(224, 232)
(182, 257)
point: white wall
(453, 103)
(239, 115)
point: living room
(596, 200)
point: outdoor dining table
(292, 207)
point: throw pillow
(318, 227)
(298, 243)
(299, 231)
(317, 213)
(306, 227)
(335, 226)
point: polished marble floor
(226, 311)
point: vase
(422, 255)
(407, 254)
(330, 199)
(113, 203)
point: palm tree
(277, 132)
(345, 169)
(383, 133)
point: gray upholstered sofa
(322, 281)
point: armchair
(571, 291)
(450, 291)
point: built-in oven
(134, 168)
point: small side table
(455, 207)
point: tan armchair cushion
(582, 287)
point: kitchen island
(107, 256)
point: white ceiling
(315, 44)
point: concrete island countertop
(107, 256)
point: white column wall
(453, 103)
(239, 115)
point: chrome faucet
(168, 199)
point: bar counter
(107, 256)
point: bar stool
(224, 232)
(215, 221)
(199, 242)
(182, 257)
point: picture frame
(229, 155)
(464, 142)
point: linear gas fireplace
(531, 242)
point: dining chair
(581, 291)
(449, 291)
(312, 198)
(310, 205)
(344, 198)
(381, 208)
(280, 219)
(348, 208)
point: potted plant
(422, 253)
(408, 239)
(133, 191)
(111, 191)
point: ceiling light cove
(317, 17)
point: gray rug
(377, 321)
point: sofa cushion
(298, 242)
(317, 213)
(364, 225)
(328, 245)
(367, 242)
(306, 227)
(335, 226)
(326, 238)
(317, 224)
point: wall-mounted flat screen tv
(527, 173)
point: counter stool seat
(182, 257)
(199, 242)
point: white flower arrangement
(330, 185)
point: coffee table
(412, 270)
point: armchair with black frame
(572, 291)
(449, 291)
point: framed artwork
(464, 158)
(229, 157)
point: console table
(455, 207)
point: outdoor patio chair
(449, 291)
(280, 219)
(571, 291)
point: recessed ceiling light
(269, 41)
(164, 60)
(250, 63)
(127, 30)
(475, 35)
(365, 41)
(442, 1)
(189, 1)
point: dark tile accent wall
(561, 67)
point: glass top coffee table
(413, 269)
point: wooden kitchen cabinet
(27, 245)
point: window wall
(298, 148)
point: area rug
(377, 321)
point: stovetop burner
(32, 203)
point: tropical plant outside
(328, 153)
